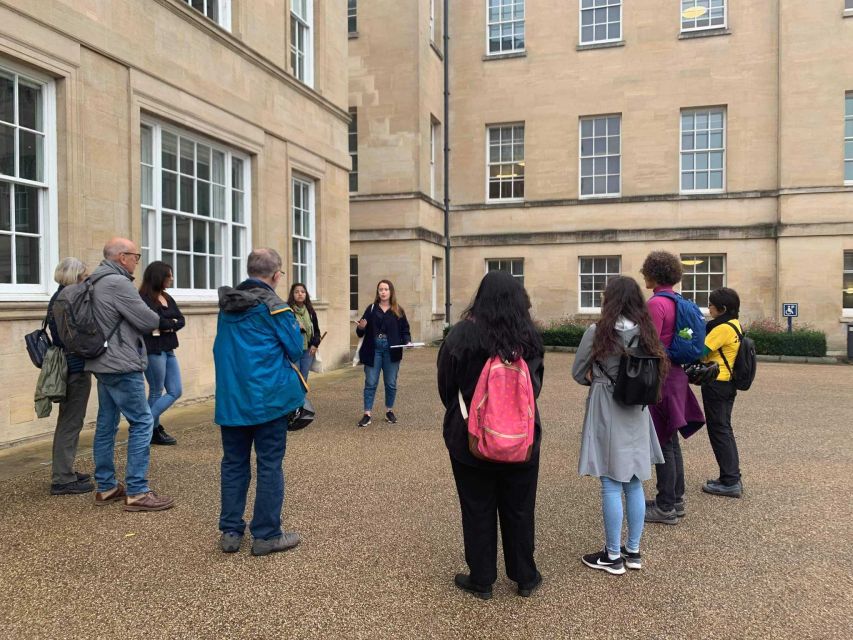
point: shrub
(776, 342)
(563, 335)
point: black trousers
(670, 475)
(486, 495)
(718, 398)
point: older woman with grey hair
(72, 410)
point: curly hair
(662, 267)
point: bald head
(122, 251)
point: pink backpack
(500, 425)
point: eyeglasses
(282, 273)
(138, 256)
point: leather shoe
(285, 541)
(105, 497)
(148, 502)
(463, 581)
(159, 436)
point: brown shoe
(148, 502)
(106, 497)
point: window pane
(5, 206)
(182, 271)
(169, 195)
(7, 97)
(203, 198)
(200, 272)
(218, 202)
(5, 259)
(215, 239)
(30, 155)
(147, 187)
(27, 260)
(215, 273)
(166, 231)
(199, 237)
(7, 150)
(187, 195)
(169, 152)
(187, 157)
(182, 233)
(29, 105)
(26, 209)
(218, 167)
(203, 162)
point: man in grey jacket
(121, 385)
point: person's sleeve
(358, 330)
(315, 339)
(287, 331)
(404, 330)
(445, 375)
(538, 376)
(719, 337)
(181, 321)
(583, 357)
(657, 312)
(132, 307)
(51, 325)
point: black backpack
(74, 313)
(638, 381)
(745, 364)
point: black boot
(161, 437)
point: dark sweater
(460, 362)
(171, 321)
(378, 321)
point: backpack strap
(739, 335)
(604, 371)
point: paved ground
(382, 536)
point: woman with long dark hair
(678, 413)
(497, 323)
(299, 300)
(383, 325)
(163, 372)
(619, 443)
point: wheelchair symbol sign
(790, 310)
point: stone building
(199, 128)
(584, 134)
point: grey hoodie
(118, 301)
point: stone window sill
(505, 56)
(705, 33)
(352, 35)
(438, 316)
(848, 13)
(600, 45)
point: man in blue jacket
(257, 337)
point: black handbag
(302, 417)
(38, 342)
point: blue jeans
(122, 394)
(381, 362)
(611, 506)
(305, 363)
(162, 372)
(270, 439)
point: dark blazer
(397, 330)
(171, 321)
(460, 362)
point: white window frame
(581, 10)
(846, 312)
(223, 11)
(512, 263)
(605, 273)
(433, 136)
(154, 248)
(311, 239)
(352, 136)
(436, 264)
(606, 156)
(352, 14)
(48, 198)
(521, 162)
(499, 22)
(688, 4)
(848, 136)
(682, 152)
(305, 22)
(693, 260)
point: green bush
(802, 342)
(565, 335)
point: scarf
(305, 322)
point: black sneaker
(82, 477)
(463, 581)
(632, 560)
(655, 514)
(719, 489)
(680, 511)
(526, 590)
(602, 561)
(71, 488)
(390, 417)
(159, 436)
(365, 420)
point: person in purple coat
(678, 412)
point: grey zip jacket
(118, 301)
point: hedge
(567, 335)
(802, 342)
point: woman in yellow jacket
(722, 341)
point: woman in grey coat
(619, 443)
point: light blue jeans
(381, 363)
(122, 394)
(163, 372)
(611, 507)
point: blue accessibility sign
(790, 310)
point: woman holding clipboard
(383, 325)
